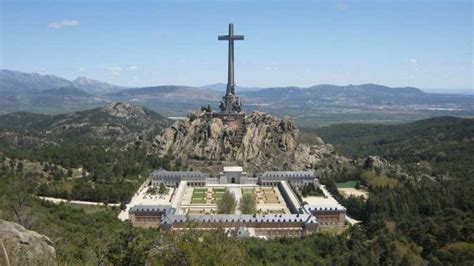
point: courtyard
(203, 200)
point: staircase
(239, 134)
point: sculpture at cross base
(230, 102)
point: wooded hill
(441, 146)
(94, 155)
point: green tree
(247, 204)
(17, 201)
(162, 189)
(20, 167)
(227, 203)
(195, 247)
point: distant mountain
(63, 91)
(450, 91)
(352, 94)
(64, 96)
(169, 92)
(168, 100)
(221, 87)
(314, 106)
(440, 145)
(117, 121)
(20, 82)
(93, 86)
(214, 87)
(21, 91)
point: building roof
(178, 175)
(243, 218)
(151, 208)
(287, 175)
(324, 207)
(233, 169)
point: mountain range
(19, 82)
(313, 106)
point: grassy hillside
(441, 146)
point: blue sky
(426, 44)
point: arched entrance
(232, 180)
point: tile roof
(325, 207)
(289, 175)
(151, 208)
(244, 218)
(178, 175)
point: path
(59, 200)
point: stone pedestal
(232, 120)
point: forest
(440, 146)
(108, 174)
(404, 221)
(409, 224)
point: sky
(424, 44)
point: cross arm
(233, 37)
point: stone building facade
(268, 226)
(301, 221)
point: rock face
(384, 166)
(263, 143)
(19, 246)
(124, 110)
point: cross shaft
(230, 68)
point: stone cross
(231, 38)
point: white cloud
(63, 23)
(115, 71)
(413, 61)
(133, 68)
(81, 69)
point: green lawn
(199, 193)
(199, 196)
(348, 184)
(198, 200)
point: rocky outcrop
(263, 143)
(19, 246)
(124, 110)
(383, 166)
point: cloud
(63, 23)
(413, 61)
(115, 71)
(133, 68)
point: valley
(104, 155)
(311, 107)
(343, 134)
